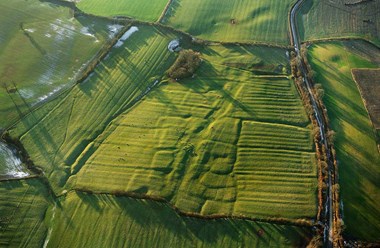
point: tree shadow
(209, 77)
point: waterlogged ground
(42, 49)
(10, 165)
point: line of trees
(338, 225)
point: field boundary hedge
(348, 38)
(326, 159)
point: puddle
(10, 165)
(113, 30)
(126, 35)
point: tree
(186, 64)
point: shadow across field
(210, 78)
(159, 218)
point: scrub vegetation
(185, 65)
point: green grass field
(333, 19)
(58, 133)
(187, 142)
(193, 142)
(232, 141)
(42, 47)
(232, 21)
(30, 218)
(144, 10)
(124, 222)
(23, 206)
(357, 154)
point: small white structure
(174, 46)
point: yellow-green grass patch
(256, 59)
(186, 142)
(87, 220)
(23, 206)
(258, 134)
(56, 139)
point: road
(328, 237)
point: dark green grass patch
(107, 221)
(23, 206)
(357, 153)
(335, 19)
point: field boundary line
(161, 17)
(18, 178)
(348, 38)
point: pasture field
(125, 222)
(263, 21)
(255, 59)
(187, 142)
(144, 10)
(335, 19)
(57, 134)
(42, 47)
(355, 141)
(29, 217)
(369, 86)
(225, 142)
(23, 206)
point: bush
(186, 64)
